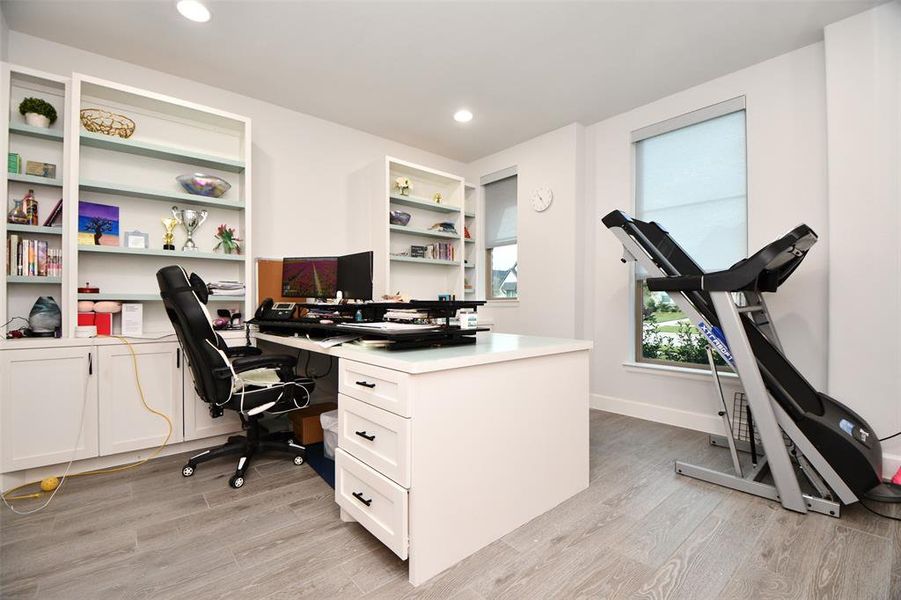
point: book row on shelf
(32, 258)
(436, 251)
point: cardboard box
(307, 428)
(40, 169)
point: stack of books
(32, 258)
(436, 251)
(226, 288)
(406, 315)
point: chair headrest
(199, 287)
(174, 279)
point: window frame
(489, 269)
(506, 173)
(707, 113)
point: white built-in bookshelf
(396, 267)
(18, 292)
(137, 175)
(472, 279)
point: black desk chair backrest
(184, 299)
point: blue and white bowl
(204, 185)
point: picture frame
(137, 239)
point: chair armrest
(266, 361)
(234, 352)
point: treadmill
(817, 453)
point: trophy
(169, 224)
(190, 219)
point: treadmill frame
(771, 419)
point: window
(500, 238)
(691, 178)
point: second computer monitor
(355, 276)
(310, 277)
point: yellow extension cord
(134, 359)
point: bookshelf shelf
(424, 204)
(39, 229)
(128, 297)
(119, 189)
(148, 150)
(159, 252)
(425, 261)
(32, 279)
(424, 232)
(35, 180)
(36, 132)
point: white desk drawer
(376, 437)
(380, 387)
(376, 502)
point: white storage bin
(329, 421)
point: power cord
(894, 435)
(879, 514)
(5, 496)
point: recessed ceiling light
(193, 10)
(462, 116)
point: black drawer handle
(362, 434)
(366, 384)
(359, 496)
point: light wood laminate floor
(639, 531)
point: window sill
(496, 302)
(681, 372)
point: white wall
(302, 165)
(786, 141)
(4, 37)
(863, 76)
(549, 253)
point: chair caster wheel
(298, 460)
(187, 471)
(236, 481)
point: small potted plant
(403, 185)
(227, 240)
(37, 112)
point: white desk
(441, 451)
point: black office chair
(240, 379)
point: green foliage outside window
(675, 341)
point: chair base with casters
(240, 379)
(257, 440)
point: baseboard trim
(694, 420)
(890, 465)
(708, 423)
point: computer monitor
(355, 276)
(310, 277)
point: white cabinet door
(45, 396)
(125, 423)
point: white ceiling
(400, 69)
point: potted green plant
(37, 112)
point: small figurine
(437, 197)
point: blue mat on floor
(325, 467)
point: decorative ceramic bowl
(97, 120)
(204, 185)
(399, 217)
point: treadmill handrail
(765, 271)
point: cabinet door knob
(359, 496)
(366, 384)
(362, 434)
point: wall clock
(541, 199)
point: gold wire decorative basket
(96, 120)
